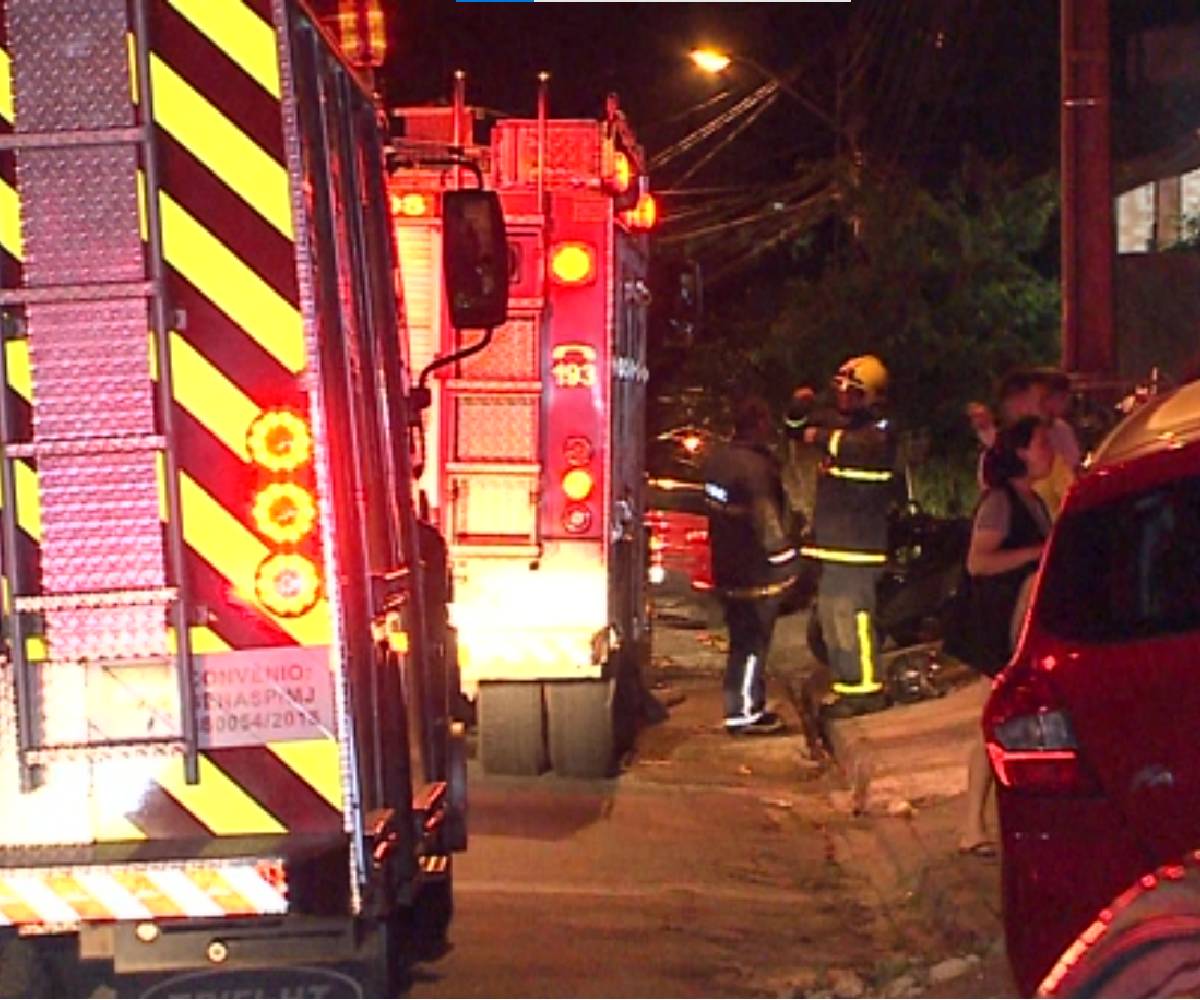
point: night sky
(1000, 93)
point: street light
(715, 61)
(710, 60)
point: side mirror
(475, 258)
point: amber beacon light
(284, 512)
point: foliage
(1189, 234)
(945, 289)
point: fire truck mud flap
(580, 722)
(512, 728)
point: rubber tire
(581, 732)
(512, 728)
(430, 918)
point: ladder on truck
(109, 601)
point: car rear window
(1129, 569)
(679, 496)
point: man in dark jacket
(856, 490)
(754, 561)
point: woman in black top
(1007, 536)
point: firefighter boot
(846, 706)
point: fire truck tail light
(577, 519)
(412, 205)
(577, 484)
(573, 263)
(287, 584)
(279, 441)
(284, 512)
(577, 451)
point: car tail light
(1029, 735)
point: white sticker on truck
(249, 697)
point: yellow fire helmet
(865, 373)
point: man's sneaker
(765, 724)
(846, 706)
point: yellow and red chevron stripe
(226, 209)
(68, 897)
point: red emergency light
(362, 32)
(412, 205)
(287, 584)
(284, 512)
(644, 215)
(279, 441)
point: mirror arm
(422, 395)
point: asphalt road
(711, 866)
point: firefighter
(753, 559)
(857, 486)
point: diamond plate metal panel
(512, 354)
(494, 506)
(89, 360)
(572, 152)
(100, 523)
(496, 429)
(70, 64)
(79, 215)
(90, 368)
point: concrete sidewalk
(907, 766)
(884, 791)
(914, 753)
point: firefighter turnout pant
(846, 604)
(751, 624)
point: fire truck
(228, 764)
(534, 442)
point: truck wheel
(383, 958)
(581, 728)
(512, 728)
(430, 916)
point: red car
(1092, 729)
(677, 523)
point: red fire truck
(228, 765)
(534, 445)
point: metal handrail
(12, 616)
(160, 327)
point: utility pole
(1088, 245)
